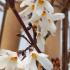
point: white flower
(41, 43)
(36, 8)
(42, 9)
(29, 63)
(27, 11)
(3, 60)
(11, 62)
(8, 59)
(43, 5)
(48, 25)
(3, 1)
(47, 22)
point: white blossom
(29, 63)
(3, 1)
(11, 63)
(8, 59)
(43, 10)
(36, 8)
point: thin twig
(24, 38)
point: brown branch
(19, 35)
(64, 50)
(11, 4)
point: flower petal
(50, 26)
(43, 26)
(58, 16)
(26, 62)
(24, 3)
(43, 55)
(39, 10)
(49, 7)
(34, 18)
(41, 43)
(33, 65)
(3, 60)
(45, 62)
(11, 66)
(25, 12)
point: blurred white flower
(3, 1)
(3, 61)
(1, 8)
(57, 16)
(8, 59)
(11, 62)
(36, 8)
(47, 22)
(27, 10)
(41, 43)
(43, 5)
(43, 17)
(29, 63)
(43, 10)
(69, 66)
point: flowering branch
(11, 4)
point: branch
(23, 25)
(23, 51)
(24, 38)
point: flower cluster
(3, 1)
(10, 61)
(29, 63)
(42, 16)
